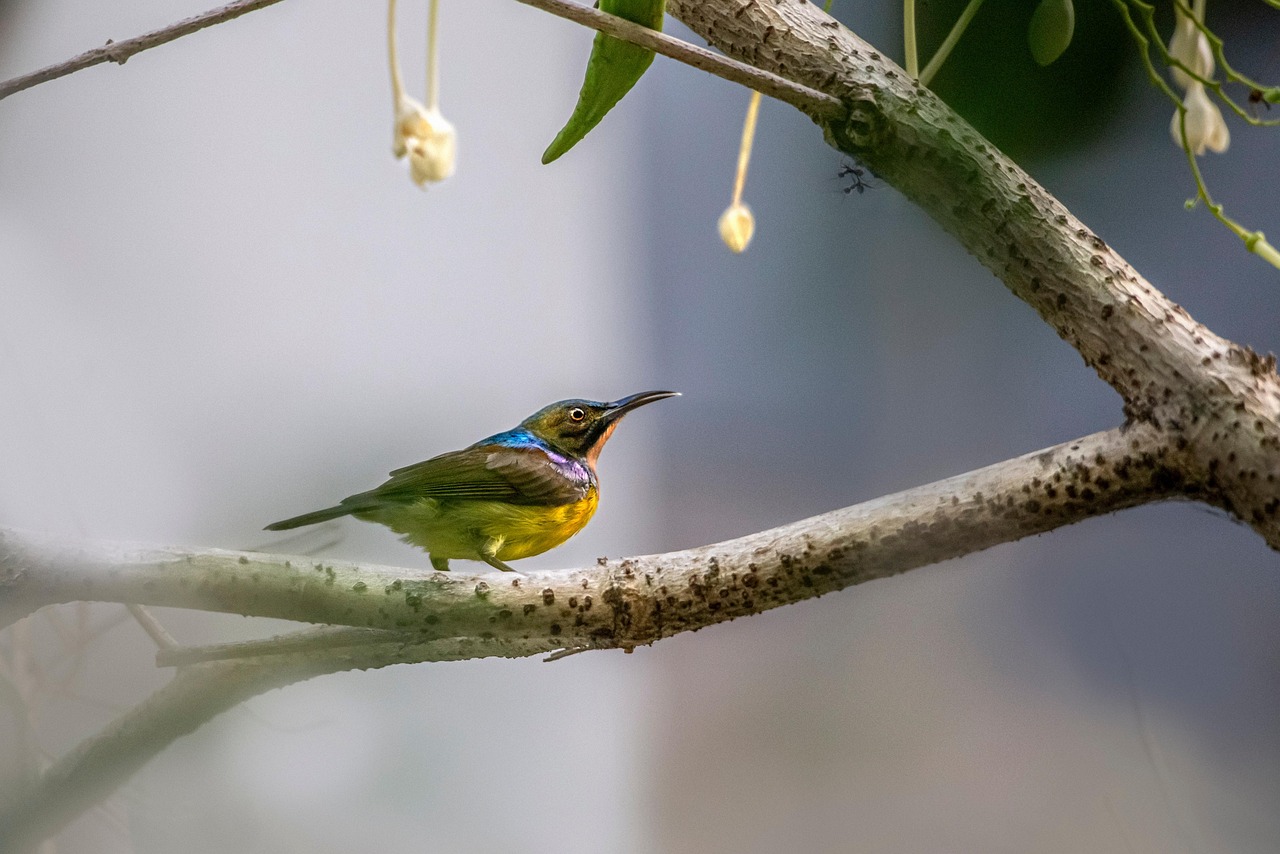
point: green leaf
(1052, 25)
(614, 67)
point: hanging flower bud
(1190, 47)
(1206, 129)
(737, 225)
(1199, 117)
(427, 138)
(421, 133)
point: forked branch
(408, 617)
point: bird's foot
(496, 564)
(489, 553)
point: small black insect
(858, 179)
(1257, 97)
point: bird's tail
(313, 517)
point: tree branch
(1216, 398)
(119, 52)
(307, 640)
(1205, 413)
(634, 601)
(95, 767)
(451, 616)
(803, 98)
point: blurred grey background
(225, 303)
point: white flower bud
(737, 225)
(1190, 47)
(427, 138)
(1206, 129)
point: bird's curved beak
(619, 408)
(613, 413)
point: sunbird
(515, 494)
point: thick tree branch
(453, 616)
(634, 601)
(1216, 398)
(118, 52)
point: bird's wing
(492, 473)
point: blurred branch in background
(95, 767)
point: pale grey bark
(632, 601)
(1215, 398)
(625, 603)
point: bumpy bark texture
(1217, 399)
(633, 601)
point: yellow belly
(460, 529)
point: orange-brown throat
(593, 453)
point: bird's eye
(577, 414)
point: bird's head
(581, 427)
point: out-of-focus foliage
(1028, 110)
(1050, 31)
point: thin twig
(565, 653)
(325, 639)
(158, 633)
(944, 50)
(911, 59)
(308, 640)
(119, 52)
(811, 101)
